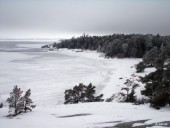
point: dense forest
(117, 45)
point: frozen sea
(50, 73)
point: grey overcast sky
(67, 18)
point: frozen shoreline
(48, 74)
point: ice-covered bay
(48, 74)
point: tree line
(116, 45)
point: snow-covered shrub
(110, 99)
(131, 97)
(75, 95)
(82, 93)
(98, 98)
(140, 67)
(17, 102)
(128, 92)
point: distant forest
(117, 45)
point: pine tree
(16, 101)
(79, 92)
(130, 91)
(82, 93)
(28, 101)
(69, 96)
(90, 93)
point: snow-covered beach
(50, 73)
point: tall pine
(16, 101)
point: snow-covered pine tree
(27, 100)
(68, 96)
(79, 93)
(131, 98)
(90, 91)
(82, 93)
(16, 101)
(140, 67)
(128, 95)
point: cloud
(57, 17)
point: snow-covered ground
(49, 73)
(87, 115)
